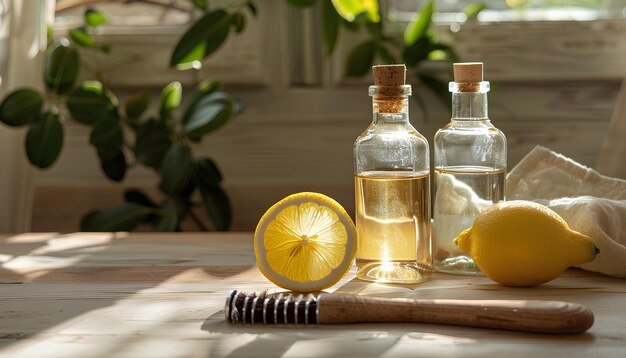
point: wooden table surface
(162, 295)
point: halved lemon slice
(305, 242)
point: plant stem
(197, 220)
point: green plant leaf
(115, 167)
(417, 52)
(125, 217)
(137, 104)
(437, 55)
(167, 223)
(348, 9)
(450, 54)
(107, 137)
(439, 88)
(81, 38)
(205, 87)
(106, 48)
(386, 56)
(176, 169)
(49, 33)
(167, 218)
(371, 9)
(138, 197)
(418, 28)
(238, 107)
(217, 205)
(152, 142)
(209, 113)
(88, 104)
(352, 26)
(472, 10)
(252, 8)
(207, 172)
(238, 21)
(207, 177)
(170, 99)
(375, 29)
(302, 3)
(44, 140)
(361, 58)
(330, 26)
(61, 66)
(93, 85)
(203, 38)
(201, 4)
(188, 190)
(351, 9)
(94, 18)
(20, 107)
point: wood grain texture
(140, 55)
(537, 316)
(611, 154)
(567, 49)
(162, 295)
(301, 140)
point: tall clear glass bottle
(392, 188)
(470, 168)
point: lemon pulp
(305, 242)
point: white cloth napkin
(589, 202)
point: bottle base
(396, 272)
(459, 265)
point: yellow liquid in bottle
(393, 227)
(461, 193)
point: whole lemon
(522, 243)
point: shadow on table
(77, 273)
(366, 340)
(372, 340)
(276, 340)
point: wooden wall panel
(546, 50)
(554, 84)
(301, 139)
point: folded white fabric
(589, 202)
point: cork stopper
(391, 89)
(468, 76)
(389, 78)
(389, 75)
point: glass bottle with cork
(392, 188)
(470, 168)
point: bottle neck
(390, 109)
(469, 106)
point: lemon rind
(311, 286)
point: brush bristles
(270, 308)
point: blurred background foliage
(134, 132)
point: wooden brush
(531, 316)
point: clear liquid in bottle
(461, 193)
(393, 227)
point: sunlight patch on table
(28, 238)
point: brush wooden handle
(531, 316)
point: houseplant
(126, 134)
